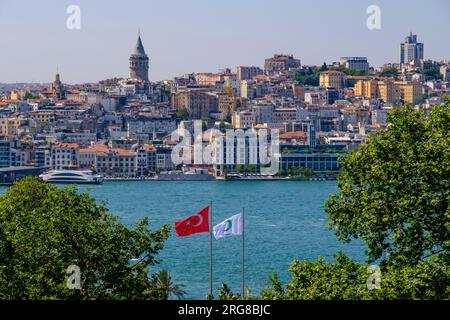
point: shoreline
(222, 180)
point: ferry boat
(72, 176)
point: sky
(183, 36)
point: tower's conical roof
(139, 48)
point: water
(284, 220)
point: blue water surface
(284, 220)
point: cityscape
(230, 153)
(121, 128)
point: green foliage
(297, 171)
(164, 288)
(432, 72)
(29, 95)
(346, 279)
(44, 229)
(307, 77)
(391, 72)
(393, 193)
(182, 114)
(394, 190)
(225, 293)
(349, 72)
(275, 291)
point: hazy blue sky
(182, 36)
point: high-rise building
(139, 62)
(411, 50)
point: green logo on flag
(228, 226)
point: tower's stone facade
(57, 88)
(139, 62)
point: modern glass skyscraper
(411, 50)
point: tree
(324, 67)
(307, 77)
(29, 95)
(349, 280)
(182, 114)
(350, 72)
(394, 190)
(307, 172)
(432, 72)
(293, 170)
(225, 293)
(391, 73)
(393, 193)
(165, 288)
(45, 229)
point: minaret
(139, 61)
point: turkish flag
(196, 223)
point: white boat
(71, 176)
(190, 175)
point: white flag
(228, 228)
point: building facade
(355, 63)
(281, 63)
(63, 156)
(411, 50)
(333, 79)
(248, 72)
(197, 104)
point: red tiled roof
(293, 135)
(65, 145)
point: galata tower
(139, 62)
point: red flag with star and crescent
(196, 223)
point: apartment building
(243, 119)
(248, 72)
(198, 104)
(410, 91)
(332, 78)
(63, 156)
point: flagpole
(210, 252)
(243, 253)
